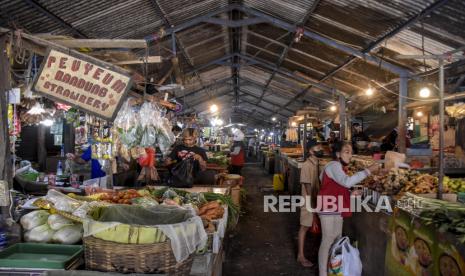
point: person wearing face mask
(310, 186)
(336, 183)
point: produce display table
(370, 230)
(294, 176)
(269, 164)
(373, 234)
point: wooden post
(41, 148)
(402, 120)
(6, 166)
(68, 137)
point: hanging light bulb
(213, 108)
(370, 91)
(333, 108)
(219, 122)
(419, 114)
(47, 122)
(273, 119)
(425, 92)
(37, 109)
(294, 124)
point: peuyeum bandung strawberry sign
(84, 82)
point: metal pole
(173, 43)
(305, 137)
(441, 128)
(342, 118)
(402, 120)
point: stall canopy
(257, 59)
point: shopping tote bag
(344, 259)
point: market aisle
(263, 243)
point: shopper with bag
(187, 160)
(335, 184)
(310, 187)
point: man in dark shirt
(189, 149)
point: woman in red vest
(237, 153)
(335, 185)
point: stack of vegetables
(443, 215)
(40, 226)
(400, 181)
(218, 158)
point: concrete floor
(265, 243)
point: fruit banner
(416, 249)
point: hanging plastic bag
(344, 259)
(149, 137)
(182, 174)
(316, 225)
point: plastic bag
(149, 137)
(344, 259)
(62, 202)
(34, 219)
(126, 117)
(56, 222)
(316, 225)
(182, 174)
(68, 234)
(42, 233)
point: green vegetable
(29, 176)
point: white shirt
(334, 171)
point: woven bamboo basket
(133, 258)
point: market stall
(114, 213)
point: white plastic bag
(56, 222)
(344, 259)
(68, 234)
(34, 219)
(42, 233)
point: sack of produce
(68, 234)
(34, 219)
(181, 174)
(56, 222)
(42, 234)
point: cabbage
(34, 219)
(68, 234)
(42, 233)
(56, 222)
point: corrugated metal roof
(291, 11)
(350, 22)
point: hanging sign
(83, 82)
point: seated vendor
(189, 149)
(96, 171)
